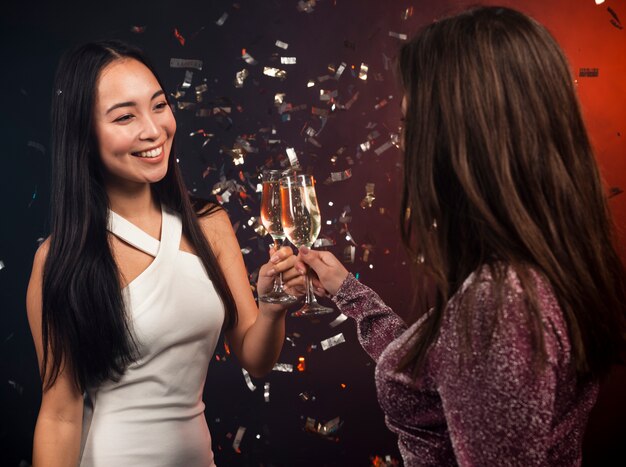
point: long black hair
(84, 321)
(499, 170)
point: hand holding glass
(271, 218)
(301, 222)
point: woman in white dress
(130, 292)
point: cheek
(169, 124)
(116, 142)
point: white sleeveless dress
(154, 416)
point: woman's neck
(134, 201)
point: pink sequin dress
(500, 409)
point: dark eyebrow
(160, 92)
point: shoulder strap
(133, 235)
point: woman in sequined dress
(504, 214)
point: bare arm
(59, 424)
(258, 337)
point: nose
(150, 129)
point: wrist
(271, 313)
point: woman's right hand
(329, 270)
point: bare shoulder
(42, 253)
(217, 229)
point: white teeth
(150, 154)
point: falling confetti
(332, 341)
(185, 63)
(222, 19)
(249, 382)
(283, 367)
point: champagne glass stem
(309, 298)
(278, 281)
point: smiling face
(134, 125)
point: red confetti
(179, 36)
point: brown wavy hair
(499, 170)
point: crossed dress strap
(133, 235)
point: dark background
(350, 31)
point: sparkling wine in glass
(301, 222)
(271, 218)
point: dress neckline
(138, 238)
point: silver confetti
(266, 392)
(332, 341)
(237, 441)
(284, 367)
(282, 45)
(380, 149)
(187, 81)
(248, 58)
(293, 158)
(249, 382)
(397, 35)
(274, 72)
(340, 70)
(338, 320)
(185, 63)
(222, 19)
(240, 77)
(288, 60)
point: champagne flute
(271, 220)
(301, 223)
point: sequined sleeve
(377, 324)
(498, 403)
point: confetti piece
(293, 158)
(222, 19)
(339, 176)
(185, 63)
(387, 461)
(338, 320)
(327, 95)
(322, 242)
(249, 382)
(282, 45)
(307, 396)
(2, 265)
(187, 81)
(369, 196)
(382, 148)
(301, 364)
(406, 14)
(348, 253)
(246, 250)
(588, 72)
(332, 341)
(238, 437)
(274, 72)
(186, 105)
(37, 146)
(16, 386)
(138, 29)
(363, 72)
(400, 36)
(288, 60)
(613, 14)
(179, 36)
(266, 392)
(283, 367)
(248, 58)
(340, 70)
(310, 83)
(279, 98)
(306, 6)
